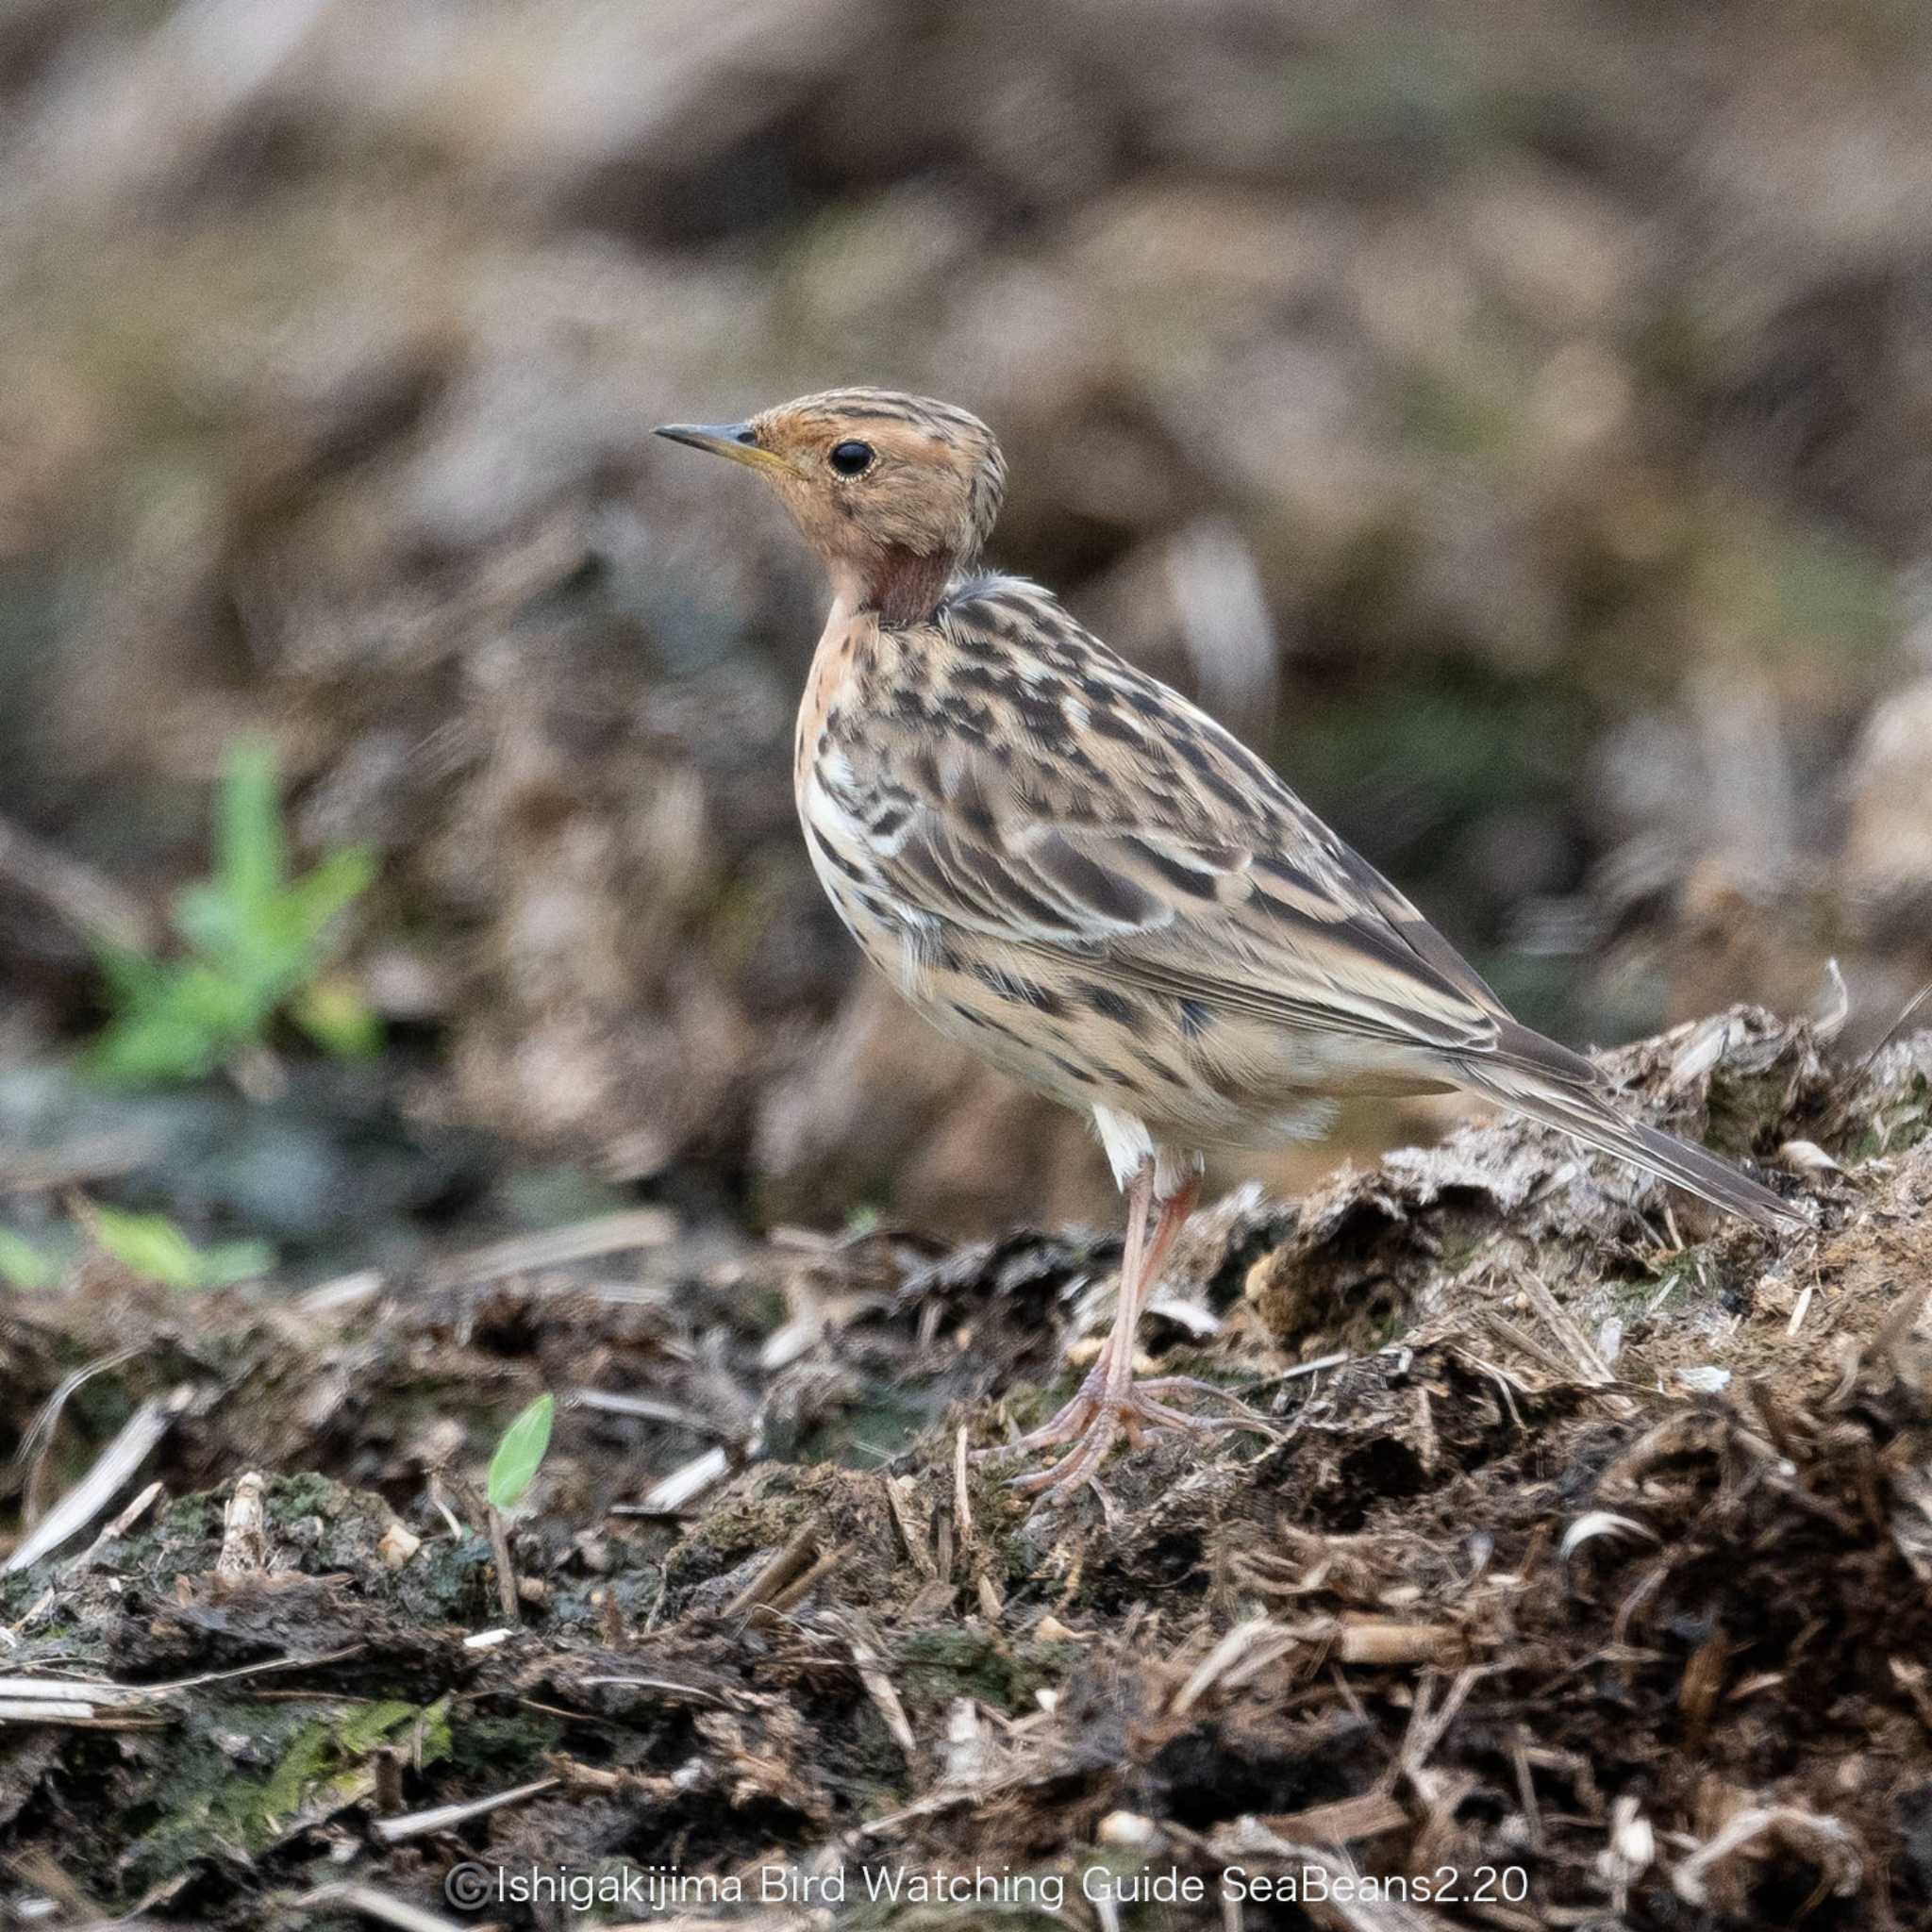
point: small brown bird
(1070, 868)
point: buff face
(858, 480)
(885, 488)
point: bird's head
(894, 492)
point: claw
(1240, 1414)
(1095, 1419)
(1066, 1424)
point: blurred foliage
(23, 1265)
(156, 1249)
(257, 942)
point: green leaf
(211, 920)
(256, 944)
(130, 975)
(251, 860)
(335, 1015)
(149, 1246)
(143, 1049)
(153, 1247)
(181, 1024)
(333, 884)
(520, 1454)
(227, 1263)
(22, 1264)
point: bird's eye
(851, 458)
(747, 435)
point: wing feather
(1162, 848)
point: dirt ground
(1582, 1583)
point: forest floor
(1582, 1582)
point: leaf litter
(1585, 1578)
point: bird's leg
(1112, 1405)
(1109, 1404)
(1069, 1423)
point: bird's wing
(1045, 795)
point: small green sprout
(520, 1454)
(154, 1248)
(256, 945)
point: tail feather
(1585, 1113)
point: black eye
(852, 458)
(747, 435)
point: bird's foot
(1067, 1425)
(1240, 1415)
(1101, 1413)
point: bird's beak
(738, 440)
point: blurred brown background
(1529, 404)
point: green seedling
(256, 946)
(22, 1264)
(520, 1454)
(154, 1248)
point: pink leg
(1108, 1405)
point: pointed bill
(736, 441)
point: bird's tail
(1547, 1082)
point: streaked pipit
(1073, 869)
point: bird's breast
(833, 794)
(832, 685)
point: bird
(1073, 869)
